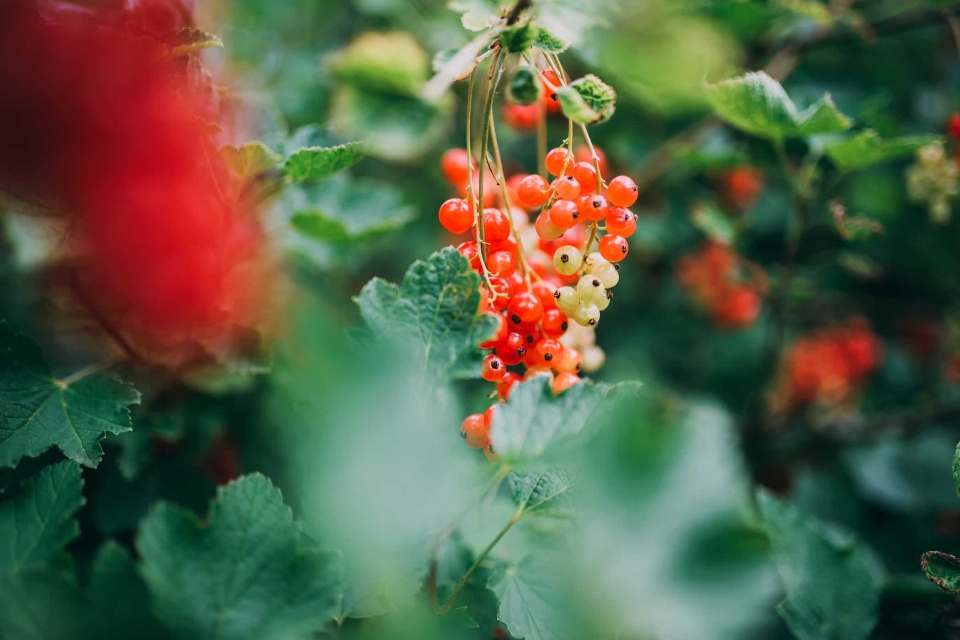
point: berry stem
(492, 81)
(502, 180)
(471, 196)
(480, 558)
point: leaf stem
(480, 558)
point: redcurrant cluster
(548, 253)
(828, 367)
(724, 284)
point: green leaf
(48, 602)
(588, 100)
(37, 522)
(550, 43)
(384, 62)
(867, 148)
(248, 572)
(544, 491)
(535, 420)
(457, 66)
(831, 579)
(757, 104)
(344, 210)
(38, 411)
(435, 311)
(249, 160)
(942, 569)
(477, 601)
(525, 87)
(519, 39)
(533, 603)
(193, 40)
(313, 163)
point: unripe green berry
(587, 315)
(567, 300)
(608, 274)
(605, 302)
(591, 290)
(567, 260)
(594, 261)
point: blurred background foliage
(669, 539)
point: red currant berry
(521, 117)
(593, 207)
(491, 453)
(512, 348)
(502, 291)
(496, 226)
(533, 190)
(545, 228)
(622, 191)
(484, 300)
(545, 290)
(621, 222)
(488, 415)
(567, 187)
(586, 175)
(563, 214)
(582, 154)
(953, 127)
(453, 165)
(493, 368)
(456, 216)
(502, 263)
(556, 160)
(613, 248)
(475, 431)
(564, 381)
(525, 308)
(499, 333)
(554, 323)
(509, 245)
(471, 252)
(505, 386)
(547, 352)
(570, 361)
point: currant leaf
(345, 210)
(867, 149)
(37, 522)
(434, 311)
(533, 604)
(249, 160)
(38, 411)
(832, 580)
(759, 105)
(942, 569)
(313, 163)
(550, 43)
(535, 420)
(248, 572)
(588, 100)
(544, 491)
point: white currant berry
(590, 289)
(605, 302)
(608, 274)
(567, 260)
(587, 315)
(594, 260)
(567, 300)
(593, 358)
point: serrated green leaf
(38, 411)
(345, 210)
(942, 569)
(867, 148)
(434, 310)
(392, 63)
(550, 43)
(249, 160)
(588, 100)
(193, 40)
(249, 572)
(520, 38)
(48, 602)
(757, 104)
(831, 579)
(476, 602)
(535, 420)
(37, 522)
(544, 491)
(313, 163)
(525, 86)
(533, 605)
